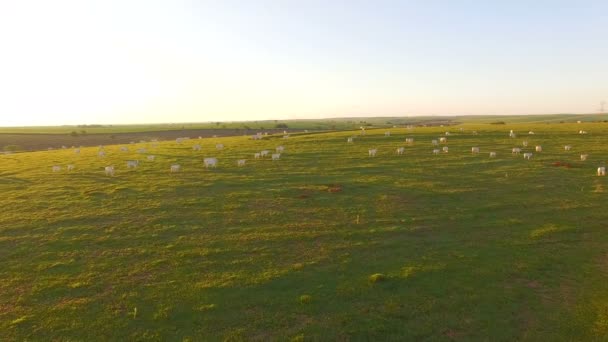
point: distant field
(324, 244)
(312, 124)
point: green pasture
(324, 244)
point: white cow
(584, 157)
(511, 134)
(372, 152)
(132, 164)
(447, 133)
(276, 156)
(56, 168)
(582, 132)
(387, 134)
(210, 162)
(124, 149)
(434, 142)
(445, 149)
(400, 150)
(286, 136)
(539, 148)
(528, 156)
(516, 150)
(409, 140)
(531, 133)
(241, 162)
(280, 149)
(175, 168)
(109, 170)
(256, 155)
(179, 140)
(77, 151)
(196, 147)
(71, 167)
(443, 140)
(474, 149)
(601, 171)
(436, 151)
(567, 147)
(101, 154)
(219, 146)
(492, 154)
(264, 153)
(349, 140)
(151, 158)
(524, 143)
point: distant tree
(83, 132)
(281, 125)
(11, 148)
(74, 134)
(217, 123)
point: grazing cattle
(219, 146)
(400, 150)
(443, 140)
(474, 132)
(474, 149)
(124, 149)
(285, 136)
(582, 132)
(256, 155)
(210, 162)
(56, 168)
(387, 134)
(527, 155)
(196, 147)
(531, 133)
(131, 164)
(109, 170)
(256, 137)
(445, 149)
(492, 154)
(179, 140)
(434, 142)
(447, 133)
(101, 154)
(151, 158)
(511, 134)
(276, 156)
(241, 162)
(601, 171)
(280, 149)
(77, 151)
(436, 151)
(538, 148)
(584, 157)
(349, 140)
(372, 152)
(516, 150)
(175, 168)
(567, 147)
(409, 140)
(264, 153)
(71, 167)
(524, 143)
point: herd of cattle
(213, 162)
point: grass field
(324, 244)
(312, 124)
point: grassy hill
(324, 244)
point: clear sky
(123, 61)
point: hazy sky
(73, 62)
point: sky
(129, 61)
